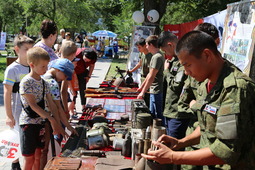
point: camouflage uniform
(175, 77)
(226, 118)
(189, 93)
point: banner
(218, 21)
(138, 32)
(3, 41)
(180, 29)
(238, 39)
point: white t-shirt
(14, 74)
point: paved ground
(101, 68)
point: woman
(49, 36)
(84, 69)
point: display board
(138, 32)
(238, 38)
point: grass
(121, 62)
(2, 68)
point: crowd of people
(204, 100)
(100, 45)
(40, 89)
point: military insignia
(175, 68)
(210, 109)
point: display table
(72, 151)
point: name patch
(210, 109)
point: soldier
(174, 77)
(189, 92)
(224, 106)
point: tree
(11, 17)
(123, 22)
(91, 15)
(189, 10)
(71, 14)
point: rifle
(116, 91)
(119, 96)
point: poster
(238, 39)
(218, 21)
(3, 41)
(138, 32)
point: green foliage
(189, 10)
(72, 14)
(123, 22)
(11, 17)
(2, 67)
(92, 15)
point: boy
(59, 71)
(68, 50)
(12, 77)
(154, 80)
(144, 63)
(34, 91)
(73, 88)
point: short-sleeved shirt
(226, 118)
(14, 74)
(29, 85)
(157, 62)
(54, 86)
(60, 39)
(146, 59)
(81, 64)
(49, 50)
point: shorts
(31, 138)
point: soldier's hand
(191, 103)
(163, 155)
(166, 65)
(169, 141)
